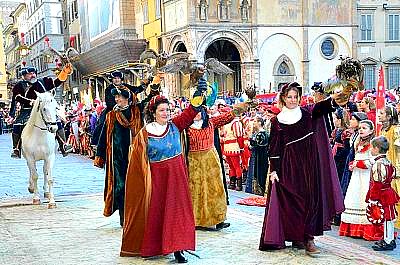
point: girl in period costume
(351, 135)
(354, 222)
(158, 205)
(121, 125)
(367, 105)
(205, 174)
(258, 168)
(305, 193)
(340, 140)
(391, 130)
(380, 190)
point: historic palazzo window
(369, 76)
(394, 27)
(394, 75)
(366, 27)
(223, 10)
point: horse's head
(47, 107)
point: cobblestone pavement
(73, 174)
(77, 233)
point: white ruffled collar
(155, 128)
(197, 124)
(289, 116)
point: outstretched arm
(185, 119)
(136, 89)
(222, 119)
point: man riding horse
(24, 92)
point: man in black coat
(24, 92)
(117, 80)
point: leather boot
(64, 148)
(239, 186)
(232, 183)
(222, 225)
(311, 249)
(383, 246)
(16, 138)
(179, 257)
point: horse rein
(47, 123)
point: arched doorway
(179, 77)
(227, 53)
(180, 47)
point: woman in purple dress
(305, 193)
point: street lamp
(23, 49)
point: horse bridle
(47, 123)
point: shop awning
(109, 56)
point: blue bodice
(165, 146)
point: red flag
(380, 97)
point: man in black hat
(122, 123)
(117, 80)
(319, 95)
(24, 92)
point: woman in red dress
(158, 206)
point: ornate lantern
(23, 49)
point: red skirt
(368, 232)
(170, 222)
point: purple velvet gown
(307, 196)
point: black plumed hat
(117, 74)
(29, 69)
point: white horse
(39, 143)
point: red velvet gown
(158, 206)
(307, 196)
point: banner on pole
(380, 97)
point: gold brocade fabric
(394, 157)
(135, 123)
(206, 187)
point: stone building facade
(266, 43)
(379, 40)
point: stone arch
(227, 53)
(272, 53)
(242, 45)
(180, 47)
(321, 67)
(175, 42)
(284, 34)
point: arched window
(283, 69)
